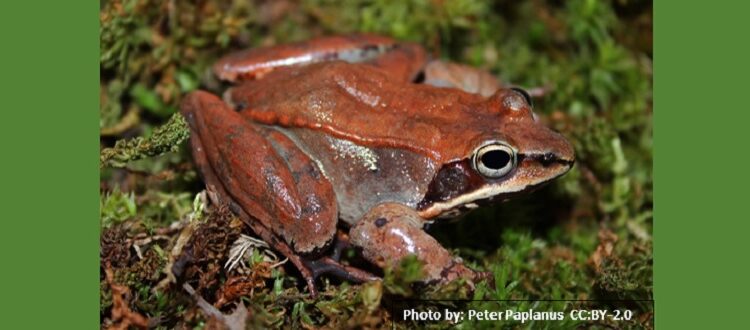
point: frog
(360, 142)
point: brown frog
(360, 141)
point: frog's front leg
(390, 232)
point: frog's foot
(467, 78)
(391, 231)
(275, 243)
(326, 265)
(309, 269)
(341, 243)
(331, 265)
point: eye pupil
(496, 159)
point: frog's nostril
(547, 159)
(239, 106)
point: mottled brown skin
(338, 131)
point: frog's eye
(525, 95)
(494, 160)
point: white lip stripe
(479, 194)
(438, 208)
(471, 205)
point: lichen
(166, 138)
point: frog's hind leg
(257, 62)
(307, 274)
(264, 177)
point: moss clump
(164, 139)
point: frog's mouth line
(467, 202)
(489, 193)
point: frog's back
(359, 103)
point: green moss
(164, 139)
(116, 207)
(399, 280)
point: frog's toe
(327, 265)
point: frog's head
(512, 155)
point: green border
(48, 138)
(701, 220)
